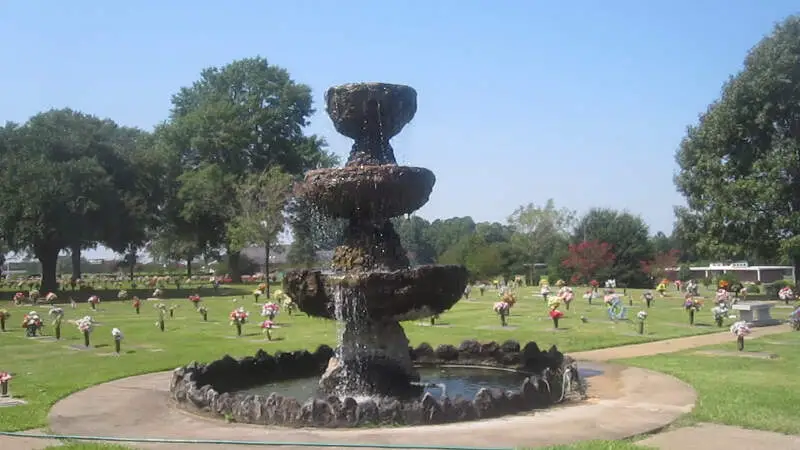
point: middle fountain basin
(399, 295)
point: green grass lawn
(752, 393)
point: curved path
(623, 402)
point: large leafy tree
(740, 164)
(262, 199)
(628, 236)
(539, 231)
(68, 181)
(589, 260)
(239, 119)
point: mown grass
(752, 393)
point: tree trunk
(266, 267)
(48, 258)
(796, 264)
(75, 254)
(132, 260)
(188, 267)
(233, 266)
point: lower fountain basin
(368, 191)
(503, 379)
(406, 294)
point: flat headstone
(43, 339)
(497, 327)
(743, 354)
(438, 325)
(11, 401)
(80, 348)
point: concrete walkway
(626, 401)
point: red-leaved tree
(587, 259)
(657, 267)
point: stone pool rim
(193, 388)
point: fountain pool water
(373, 375)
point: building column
(758, 275)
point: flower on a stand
(50, 297)
(195, 299)
(33, 295)
(502, 308)
(122, 294)
(57, 314)
(162, 311)
(786, 294)
(721, 296)
(555, 314)
(286, 302)
(19, 297)
(203, 312)
(720, 312)
(262, 287)
(740, 329)
(270, 310)
(85, 326)
(158, 293)
(266, 328)
(794, 319)
(4, 315)
(136, 304)
(692, 305)
(509, 297)
(5, 377)
(238, 318)
(116, 333)
(94, 301)
(641, 316)
(32, 323)
(257, 293)
(648, 298)
(566, 295)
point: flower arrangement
(794, 319)
(560, 283)
(19, 297)
(566, 295)
(724, 284)
(501, 308)
(50, 297)
(555, 315)
(32, 323)
(509, 297)
(157, 293)
(257, 294)
(4, 315)
(641, 316)
(740, 330)
(203, 312)
(122, 294)
(57, 314)
(195, 299)
(85, 326)
(545, 291)
(162, 311)
(661, 288)
(288, 304)
(171, 310)
(648, 298)
(5, 377)
(594, 284)
(720, 312)
(786, 294)
(238, 318)
(721, 296)
(33, 295)
(262, 287)
(270, 310)
(136, 304)
(93, 302)
(266, 327)
(116, 333)
(692, 305)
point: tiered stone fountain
(372, 286)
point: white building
(742, 270)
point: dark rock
(349, 411)
(463, 409)
(471, 347)
(390, 411)
(447, 352)
(322, 355)
(490, 349)
(510, 346)
(484, 404)
(431, 409)
(398, 295)
(290, 411)
(273, 408)
(318, 413)
(367, 413)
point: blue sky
(519, 101)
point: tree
(415, 235)
(540, 230)
(66, 181)
(448, 232)
(262, 199)
(243, 118)
(738, 166)
(657, 267)
(588, 260)
(627, 234)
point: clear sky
(519, 101)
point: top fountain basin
(352, 106)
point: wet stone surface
(214, 389)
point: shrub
(729, 279)
(772, 289)
(752, 288)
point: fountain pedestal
(372, 287)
